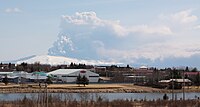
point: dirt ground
(96, 88)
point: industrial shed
(70, 75)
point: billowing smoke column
(61, 46)
(81, 36)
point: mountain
(58, 60)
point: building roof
(143, 67)
(177, 80)
(165, 81)
(10, 77)
(4, 73)
(181, 80)
(64, 71)
(68, 71)
(37, 77)
(136, 76)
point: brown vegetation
(97, 101)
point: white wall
(73, 76)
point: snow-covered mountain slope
(58, 60)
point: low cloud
(197, 27)
(91, 19)
(13, 10)
(155, 51)
(182, 17)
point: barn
(70, 75)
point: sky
(138, 32)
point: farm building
(70, 75)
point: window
(93, 76)
(71, 76)
(82, 71)
(64, 75)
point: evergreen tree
(194, 69)
(49, 80)
(71, 65)
(9, 65)
(5, 80)
(187, 69)
(85, 81)
(82, 80)
(176, 74)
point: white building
(24, 77)
(70, 75)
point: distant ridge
(21, 59)
(26, 58)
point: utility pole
(172, 85)
(183, 86)
(106, 72)
(46, 94)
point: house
(5, 73)
(70, 75)
(139, 80)
(168, 83)
(8, 67)
(143, 68)
(142, 75)
(143, 71)
(191, 74)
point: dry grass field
(96, 88)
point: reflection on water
(98, 96)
